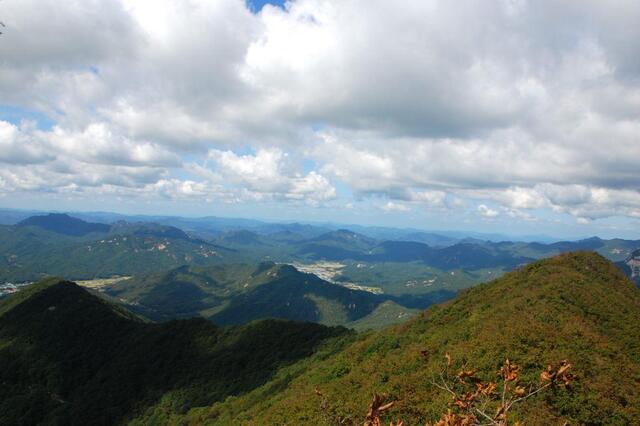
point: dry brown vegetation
(474, 402)
(478, 403)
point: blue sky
(258, 4)
(16, 115)
(351, 112)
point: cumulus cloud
(391, 206)
(487, 211)
(534, 105)
(267, 174)
(18, 148)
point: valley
(232, 276)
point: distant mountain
(342, 245)
(12, 217)
(631, 267)
(240, 293)
(58, 244)
(435, 240)
(336, 245)
(147, 229)
(64, 224)
(286, 236)
(68, 357)
(242, 237)
(343, 238)
(305, 230)
(593, 243)
(575, 306)
(30, 253)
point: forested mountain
(59, 245)
(68, 357)
(575, 307)
(64, 224)
(239, 293)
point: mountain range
(365, 282)
(71, 357)
(61, 245)
(68, 357)
(240, 293)
(576, 307)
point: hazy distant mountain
(242, 237)
(61, 244)
(631, 266)
(147, 229)
(64, 224)
(429, 238)
(12, 217)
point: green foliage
(69, 357)
(385, 314)
(414, 278)
(30, 253)
(574, 306)
(239, 293)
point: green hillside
(578, 307)
(238, 293)
(30, 253)
(70, 358)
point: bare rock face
(633, 262)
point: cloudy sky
(510, 115)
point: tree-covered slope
(70, 358)
(575, 306)
(30, 253)
(239, 293)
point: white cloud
(535, 105)
(267, 174)
(486, 211)
(391, 206)
(18, 148)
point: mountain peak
(575, 306)
(64, 224)
(570, 276)
(148, 229)
(80, 360)
(64, 300)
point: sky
(512, 116)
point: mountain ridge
(69, 357)
(575, 306)
(64, 224)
